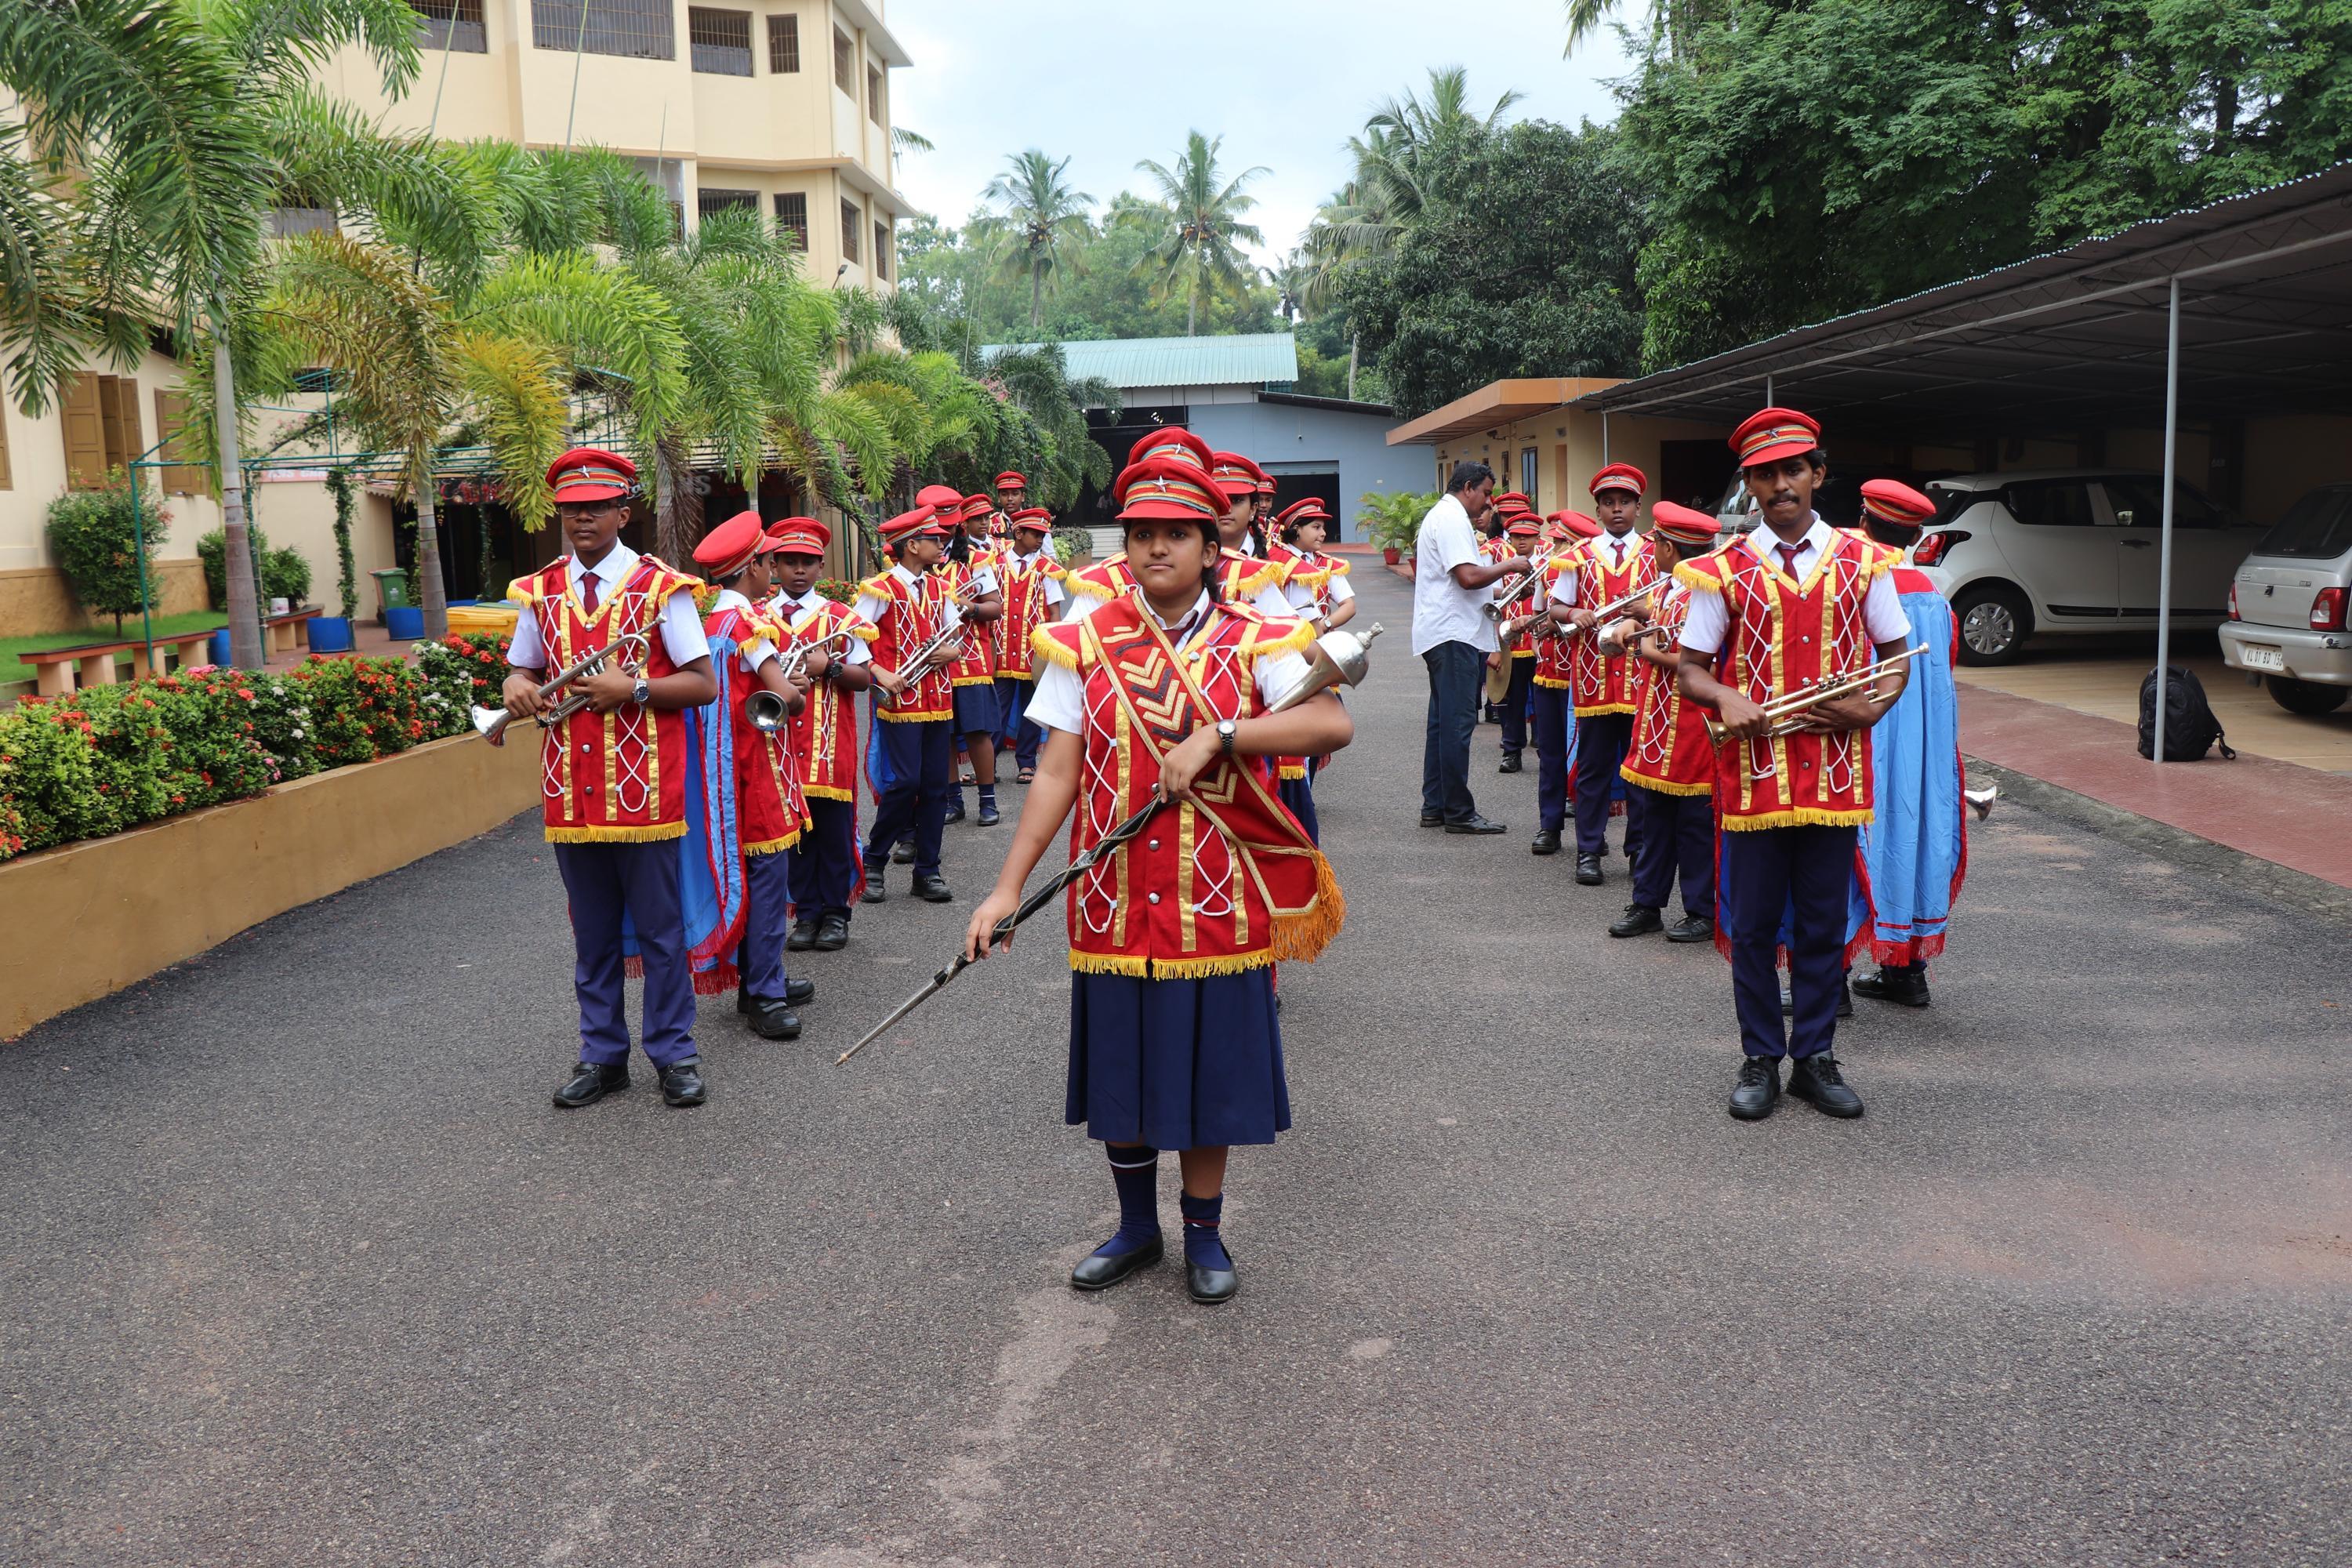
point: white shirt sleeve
(529, 650)
(1703, 628)
(681, 629)
(1447, 535)
(1053, 595)
(1271, 600)
(1338, 590)
(758, 654)
(1058, 701)
(1563, 588)
(870, 608)
(1277, 673)
(1300, 595)
(1882, 612)
(859, 653)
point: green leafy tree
(1041, 224)
(94, 537)
(1197, 227)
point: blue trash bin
(405, 623)
(330, 633)
(220, 649)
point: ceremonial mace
(1339, 659)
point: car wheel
(1995, 621)
(2305, 697)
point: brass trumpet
(1789, 714)
(491, 723)
(1516, 587)
(767, 711)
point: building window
(455, 24)
(874, 94)
(711, 199)
(850, 218)
(101, 427)
(179, 445)
(720, 41)
(639, 29)
(882, 250)
(844, 63)
(1527, 473)
(792, 216)
(783, 44)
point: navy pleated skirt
(1177, 1064)
(975, 710)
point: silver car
(2287, 606)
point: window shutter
(183, 475)
(127, 428)
(7, 480)
(85, 435)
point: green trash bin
(392, 588)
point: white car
(2287, 620)
(2072, 550)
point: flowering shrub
(838, 589)
(362, 708)
(462, 672)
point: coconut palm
(1040, 224)
(1676, 21)
(1198, 222)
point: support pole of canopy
(1604, 438)
(2164, 552)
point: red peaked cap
(1176, 442)
(1009, 480)
(940, 497)
(1892, 500)
(1525, 522)
(921, 522)
(1620, 477)
(591, 473)
(976, 505)
(1684, 525)
(799, 536)
(1236, 474)
(1035, 518)
(1577, 523)
(1169, 488)
(1769, 435)
(1509, 499)
(729, 548)
(1298, 511)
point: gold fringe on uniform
(1796, 816)
(775, 846)
(623, 833)
(1662, 786)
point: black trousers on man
(1457, 677)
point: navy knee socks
(1134, 1171)
(1204, 1244)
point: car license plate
(2258, 656)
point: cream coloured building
(782, 105)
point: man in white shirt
(1452, 635)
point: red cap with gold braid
(1685, 525)
(591, 473)
(1769, 435)
(1620, 477)
(799, 536)
(729, 548)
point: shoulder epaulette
(1058, 642)
(1701, 571)
(879, 586)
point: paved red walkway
(2293, 816)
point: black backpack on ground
(2189, 727)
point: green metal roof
(1250, 359)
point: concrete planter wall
(89, 919)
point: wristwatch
(642, 692)
(1227, 731)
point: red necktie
(587, 594)
(1789, 556)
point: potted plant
(333, 634)
(1391, 520)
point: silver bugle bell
(1336, 659)
(766, 710)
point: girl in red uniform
(1156, 699)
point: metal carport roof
(2074, 339)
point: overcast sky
(1285, 81)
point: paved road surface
(302, 1269)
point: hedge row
(113, 757)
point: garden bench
(58, 670)
(289, 630)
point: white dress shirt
(1059, 701)
(793, 609)
(874, 607)
(1618, 546)
(681, 624)
(1710, 620)
(761, 650)
(1053, 595)
(1443, 610)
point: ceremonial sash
(709, 854)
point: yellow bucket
(500, 619)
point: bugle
(1514, 588)
(1980, 800)
(1787, 715)
(769, 711)
(491, 723)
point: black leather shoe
(903, 852)
(1691, 928)
(1546, 842)
(1759, 1088)
(591, 1081)
(875, 892)
(955, 814)
(1905, 985)
(1588, 870)
(988, 816)
(1432, 819)
(1640, 920)
(799, 991)
(682, 1081)
(802, 937)
(1510, 763)
(1095, 1272)
(1210, 1286)
(771, 1020)
(1476, 824)
(933, 891)
(832, 933)
(1816, 1080)
(1845, 1007)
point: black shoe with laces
(832, 933)
(1759, 1088)
(1546, 842)
(591, 1081)
(681, 1082)
(1816, 1080)
(1904, 985)
(802, 937)
(1475, 823)
(1640, 920)
(1510, 763)
(1691, 928)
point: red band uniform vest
(769, 811)
(1241, 578)
(909, 617)
(1783, 636)
(617, 776)
(825, 733)
(1601, 685)
(1670, 751)
(978, 665)
(1024, 611)
(1183, 899)
(1553, 668)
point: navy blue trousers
(1177, 1064)
(1515, 705)
(1012, 699)
(1806, 873)
(600, 880)
(1600, 742)
(1457, 673)
(1299, 794)
(920, 758)
(824, 862)
(1555, 739)
(1677, 834)
(767, 906)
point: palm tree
(1677, 21)
(1200, 232)
(1041, 223)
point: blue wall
(1280, 435)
